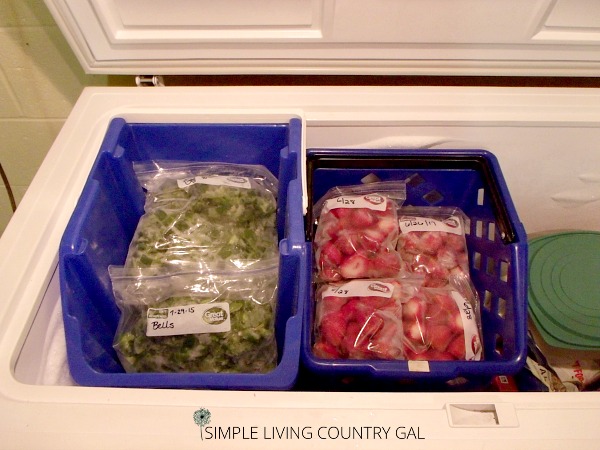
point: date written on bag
(188, 319)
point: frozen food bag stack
(392, 281)
(198, 289)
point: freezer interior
(545, 142)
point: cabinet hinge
(149, 80)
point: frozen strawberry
(326, 230)
(385, 264)
(375, 235)
(388, 225)
(447, 258)
(445, 301)
(409, 243)
(439, 337)
(330, 255)
(414, 331)
(350, 339)
(457, 347)
(388, 343)
(345, 243)
(355, 310)
(386, 351)
(397, 292)
(330, 274)
(419, 354)
(369, 329)
(361, 218)
(436, 313)
(456, 242)
(456, 323)
(325, 350)
(332, 329)
(368, 244)
(361, 352)
(330, 304)
(376, 302)
(356, 266)
(341, 213)
(435, 355)
(392, 313)
(414, 309)
(430, 242)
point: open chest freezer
(545, 140)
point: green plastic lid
(564, 288)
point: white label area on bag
(375, 202)
(471, 332)
(451, 224)
(216, 180)
(188, 319)
(360, 288)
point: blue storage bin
(105, 218)
(497, 245)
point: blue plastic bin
(497, 245)
(105, 218)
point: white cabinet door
(434, 37)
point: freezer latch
(149, 80)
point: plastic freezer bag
(441, 324)
(207, 215)
(196, 322)
(432, 243)
(359, 319)
(395, 319)
(357, 231)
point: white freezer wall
(516, 124)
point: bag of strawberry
(432, 243)
(357, 231)
(395, 319)
(440, 324)
(359, 319)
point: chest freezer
(544, 139)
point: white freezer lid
(432, 37)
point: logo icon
(379, 288)
(234, 179)
(215, 316)
(202, 418)
(374, 199)
(452, 222)
(158, 313)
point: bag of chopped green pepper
(196, 322)
(214, 215)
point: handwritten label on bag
(216, 180)
(360, 288)
(451, 224)
(188, 319)
(374, 202)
